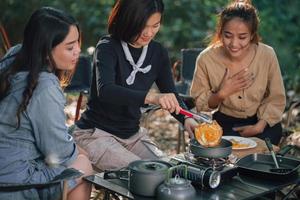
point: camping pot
(176, 188)
(146, 176)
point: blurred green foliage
(186, 24)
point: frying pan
(223, 150)
(260, 165)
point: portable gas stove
(206, 172)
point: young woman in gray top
(34, 144)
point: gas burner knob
(212, 178)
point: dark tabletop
(239, 187)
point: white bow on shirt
(136, 66)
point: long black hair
(129, 17)
(47, 27)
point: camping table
(239, 187)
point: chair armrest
(149, 108)
(67, 174)
(176, 70)
(293, 105)
(188, 100)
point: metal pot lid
(149, 166)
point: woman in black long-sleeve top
(125, 66)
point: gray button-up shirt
(41, 148)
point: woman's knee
(84, 164)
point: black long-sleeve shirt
(113, 105)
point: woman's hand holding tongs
(166, 101)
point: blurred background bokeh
(186, 24)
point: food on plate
(209, 135)
(237, 144)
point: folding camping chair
(183, 84)
(81, 81)
(62, 178)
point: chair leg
(65, 190)
(183, 140)
(290, 192)
(78, 106)
(180, 138)
(106, 195)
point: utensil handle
(275, 159)
(270, 147)
(199, 117)
(269, 144)
(171, 169)
(186, 113)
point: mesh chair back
(188, 61)
(9, 57)
(188, 57)
(81, 80)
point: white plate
(242, 140)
